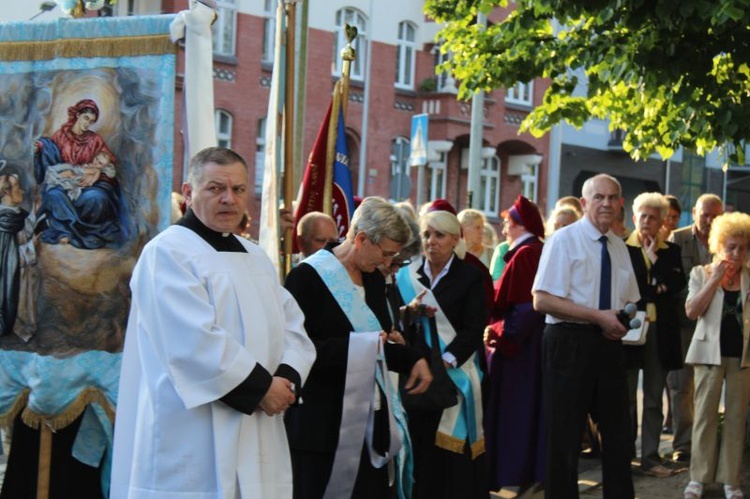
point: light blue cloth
(465, 427)
(363, 320)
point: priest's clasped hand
(419, 378)
(279, 396)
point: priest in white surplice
(214, 352)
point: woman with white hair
(657, 266)
(449, 443)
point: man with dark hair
(214, 353)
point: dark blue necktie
(605, 289)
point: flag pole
(331, 148)
(291, 25)
(348, 55)
(340, 98)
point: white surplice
(200, 320)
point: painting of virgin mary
(94, 217)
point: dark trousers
(584, 372)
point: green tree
(668, 72)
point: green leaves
(668, 72)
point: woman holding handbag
(448, 442)
(718, 300)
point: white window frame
(269, 30)
(223, 133)
(521, 94)
(260, 156)
(406, 52)
(225, 29)
(530, 182)
(438, 174)
(354, 17)
(489, 177)
(445, 81)
(400, 151)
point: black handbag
(442, 391)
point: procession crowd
(417, 357)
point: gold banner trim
(123, 46)
(88, 396)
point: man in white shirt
(214, 351)
(585, 276)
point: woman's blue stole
(365, 366)
(463, 421)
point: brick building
(392, 79)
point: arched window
(223, 128)
(405, 55)
(353, 17)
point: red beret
(442, 205)
(525, 213)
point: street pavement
(590, 479)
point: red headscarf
(84, 104)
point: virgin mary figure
(93, 218)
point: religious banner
(311, 195)
(86, 141)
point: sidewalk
(646, 487)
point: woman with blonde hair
(448, 443)
(472, 226)
(561, 217)
(718, 299)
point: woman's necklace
(730, 280)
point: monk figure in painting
(92, 217)
(12, 217)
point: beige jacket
(704, 347)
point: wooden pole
(333, 122)
(291, 21)
(348, 54)
(45, 461)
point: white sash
(463, 421)
(366, 366)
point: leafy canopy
(669, 72)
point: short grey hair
(379, 219)
(651, 200)
(589, 183)
(414, 246)
(708, 198)
(218, 155)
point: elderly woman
(717, 299)
(472, 225)
(345, 435)
(561, 217)
(449, 443)
(658, 270)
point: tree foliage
(669, 72)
